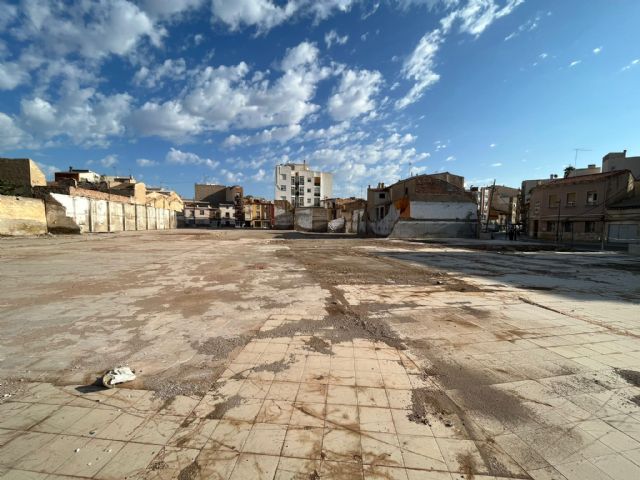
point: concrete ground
(264, 355)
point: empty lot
(283, 355)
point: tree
(568, 169)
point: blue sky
(222, 90)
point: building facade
(19, 175)
(619, 161)
(422, 206)
(228, 215)
(574, 209)
(498, 206)
(301, 186)
(198, 214)
(258, 213)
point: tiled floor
(536, 391)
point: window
(316, 202)
(301, 202)
(293, 180)
(571, 199)
(381, 195)
(283, 176)
(536, 208)
(301, 179)
(283, 197)
(568, 227)
(308, 190)
(201, 212)
(308, 179)
(592, 198)
(554, 200)
(283, 188)
(589, 227)
(227, 215)
(551, 226)
(308, 200)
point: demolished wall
(22, 216)
(282, 215)
(312, 219)
(70, 214)
(417, 219)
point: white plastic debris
(116, 376)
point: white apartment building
(301, 186)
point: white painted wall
(443, 210)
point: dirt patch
(316, 344)
(430, 406)
(273, 367)
(220, 347)
(221, 408)
(182, 380)
(631, 376)
(190, 472)
(467, 465)
(10, 388)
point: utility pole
(558, 222)
(486, 224)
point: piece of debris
(116, 376)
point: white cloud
(167, 120)
(165, 9)
(275, 134)
(12, 74)
(178, 157)
(83, 115)
(332, 38)
(527, 26)
(493, 145)
(419, 67)
(497, 164)
(259, 176)
(355, 94)
(450, 158)
(476, 16)
(11, 135)
(91, 29)
(597, 50)
(144, 162)
(543, 55)
(631, 64)
(109, 161)
(266, 14)
(171, 69)
(575, 63)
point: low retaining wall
(22, 216)
(67, 214)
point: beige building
(619, 161)
(258, 213)
(422, 206)
(301, 186)
(79, 175)
(574, 209)
(198, 214)
(498, 206)
(19, 175)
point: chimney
(591, 165)
(624, 153)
